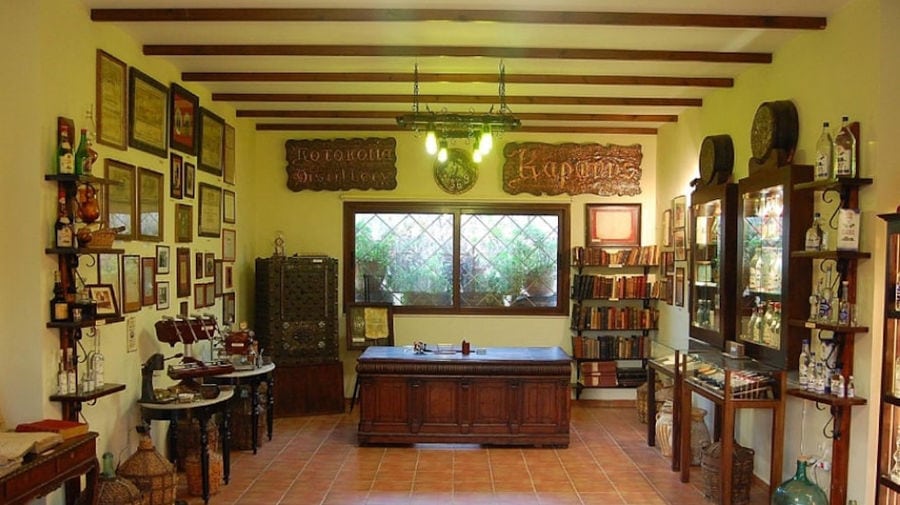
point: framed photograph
(148, 281)
(667, 228)
(212, 142)
(670, 289)
(229, 244)
(369, 324)
(112, 96)
(199, 295)
(182, 272)
(679, 287)
(210, 213)
(150, 205)
(228, 206)
(162, 259)
(148, 100)
(131, 283)
(679, 216)
(209, 262)
(229, 168)
(678, 239)
(108, 272)
(228, 272)
(183, 309)
(105, 297)
(190, 174)
(162, 295)
(228, 308)
(210, 293)
(183, 109)
(184, 223)
(119, 208)
(199, 267)
(613, 225)
(130, 335)
(176, 176)
(219, 278)
(668, 258)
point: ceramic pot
(664, 429)
(699, 434)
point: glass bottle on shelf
(813, 307)
(851, 388)
(844, 306)
(815, 237)
(824, 154)
(59, 308)
(895, 466)
(65, 158)
(811, 372)
(82, 156)
(845, 151)
(803, 365)
(825, 294)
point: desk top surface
(225, 394)
(240, 374)
(490, 355)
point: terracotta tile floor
(315, 460)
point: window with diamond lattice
(440, 258)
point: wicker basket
(150, 472)
(188, 436)
(242, 418)
(101, 239)
(741, 474)
(119, 491)
(194, 475)
(663, 393)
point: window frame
(562, 210)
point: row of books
(610, 347)
(614, 287)
(614, 318)
(605, 374)
(633, 256)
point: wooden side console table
(503, 396)
(254, 378)
(203, 409)
(64, 463)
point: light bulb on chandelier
(476, 128)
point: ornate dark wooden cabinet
(297, 325)
(515, 396)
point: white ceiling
(468, 34)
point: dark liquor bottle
(59, 307)
(65, 232)
(65, 157)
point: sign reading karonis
(553, 169)
(341, 164)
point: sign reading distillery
(341, 164)
(553, 169)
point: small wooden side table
(65, 463)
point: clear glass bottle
(812, 379)
(824, 154)
(845, 151)
(844, 306)
(755, 280)
(850, 389)
(815, 235)
(813, 307)
(895, 466)
(825, 299)
(803, 366)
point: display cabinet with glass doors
(888, 476)
(713, 243)
(773, 286)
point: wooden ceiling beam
(525, 116)
(459, 99)
(452, 51)
(387, 127)
(611, 80)
(492, 15)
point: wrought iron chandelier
(440, 127)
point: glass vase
(799, 490)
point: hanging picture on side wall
(613, 225)
(147, 104)
(131, 283)
(112, 93)
(212, 139)
(679, 287)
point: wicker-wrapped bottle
(150, 472)
(115, 490)
(799, 490)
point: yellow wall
(49, 59)
(848, 69)
(312, 224)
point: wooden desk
(254, 377)
(68, 461)
(203, 409)
(506, 396)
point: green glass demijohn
(799, 490)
